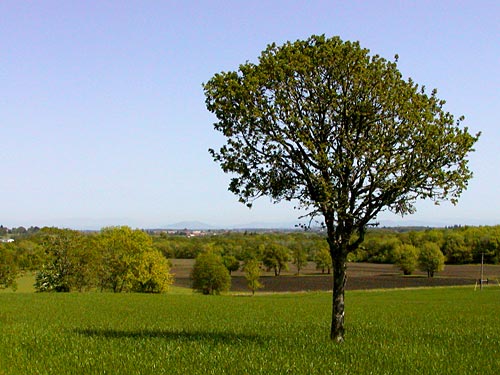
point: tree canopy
(324, 123)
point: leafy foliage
(430, 259)
(118, 259)
(209, 274)
(153, 273)
(323, 260)
(8, 267)
(252, 275)
(130, 262)
(67, 264)
(299, 257)
(322, 122)
(276, 257)
(406, 258)
(231, 263)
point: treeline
(121, 259)
(459, 245)
(116, 259)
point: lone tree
(252, 274)
(431, 259)
(323, 123)
(209, 274)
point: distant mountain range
(96, 224)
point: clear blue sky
(102, 113)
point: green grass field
(424, 331)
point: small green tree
(252, 275)
(430, 259)
(299, 256)
(406, 258)
(231, 263)
(323, 260)
(276, 257)
(209, 274)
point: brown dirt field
(360, 276)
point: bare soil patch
(360, 276)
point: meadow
(421, 331)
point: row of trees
(116, 259)
(459, 245)
(66, 259)
(427, 258)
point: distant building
(6, 240)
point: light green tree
(130, 262)
(323, 259)
(455, 248)
(209, 274)
(406, 258)
(323, 123)
(430, 259)
(252, 275)
(153, 273)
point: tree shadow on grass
(226, 337)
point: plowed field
(360, 276)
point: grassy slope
(426, 331)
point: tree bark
(339, 280)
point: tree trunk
(339, 280)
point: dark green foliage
(209, 274)
(8, 267)
(231, 263)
